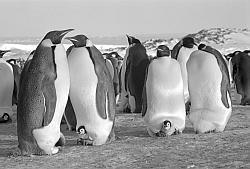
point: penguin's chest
(83, 80)
(62, 81)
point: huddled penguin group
(86, 88)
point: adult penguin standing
(44, 89)
(91, 93)
(6, 88)
(241, 76)
(17, 72)
(163, 101)
(133, 74)
(209, 87)
(114, 62)
(181, 52)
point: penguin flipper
(104, 101)
(49, 94)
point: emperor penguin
(114, 61)
(209, 88)
(133, 74)
(6, 88)
(91, 93)
(17, 72)
(163, 100)
(44, 90)
(110, 67)
(181, 52)
(123, 100)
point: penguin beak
(71, 39)
(64, 32)
(129, 39)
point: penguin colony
(85, 88)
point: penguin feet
(210, 131)
(84, 142)
(160, 134)
(176, 132)
(206, 132)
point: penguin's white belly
(6, 87)
(83, 96)
(207, 110)
(165, 99)
(48, 135)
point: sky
(34, 18)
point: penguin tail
(61, 141)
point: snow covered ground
(225, 40)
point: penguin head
(247, 52)
(166, 125)
(56, 36)
(2, 52)
(162, 50)
(188, 42)
(116, 55)
(132, 40)
(12, 61)
(81, 130)
(80, 41)
(202, 46)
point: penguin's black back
(36, 84)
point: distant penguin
(17, 72)
(6, 88)
(44, 89)
(123, 102)
(114, 61)
(91, 92)
(110, 67)
(133, 74)
(209, 88)
(181, 53)
(241, 75)
(162, 51)
(116, 55)
(163, 100)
